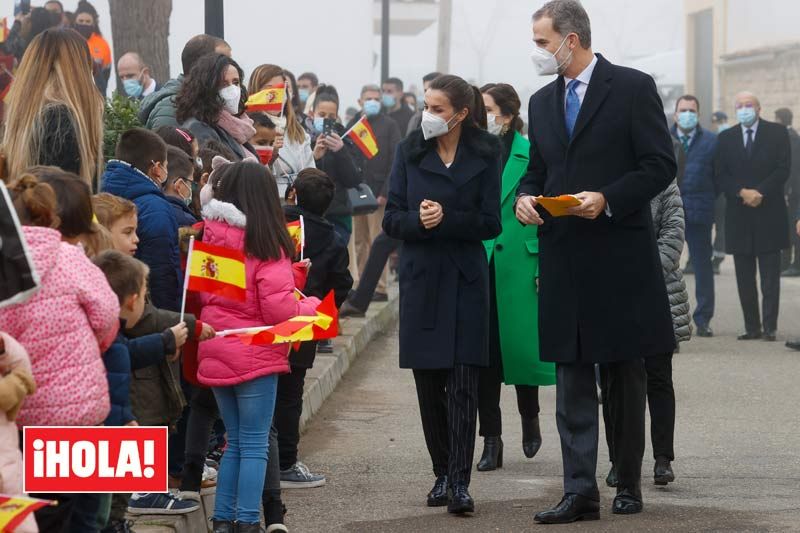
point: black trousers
(382, 247)
(769, 268)
(661, 401)
(720, 205)
(448, 405)
(288, 408)
(578, 424)
(791, 256)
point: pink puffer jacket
(65, 327)
(270, 300)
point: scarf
(240, 128)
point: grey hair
(370, 87)
(568, 17)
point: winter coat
(65, 327)
(375, 171)
(342, 168)
(514, 256)
(444, 273)
(227, 361)
(329, 270)
(158, 109)
(668, 223)
(157, 231)
(14, 387)
(205, 132)
(183, 215)
(697, 184)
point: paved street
(737, 445)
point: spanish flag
(14, 509)
(216, 270)
(323, 325)
(297, 232)
(362, 135)
(270, 100)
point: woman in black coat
(444, 201)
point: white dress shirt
(150, 89)
(754, 127)
(584, 78)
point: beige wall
(753, 24)
(720, 10)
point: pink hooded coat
(227, 361)
(65, 327)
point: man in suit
(598, 132)
(791, 261)
(752, 166)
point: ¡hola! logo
(95, 459)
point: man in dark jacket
(697, 191)
(394, 103)
(158, 109)
(752, 165)
(791, 261)
(599, 134)
(312, 192)
(375, 173)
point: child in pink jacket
(15, 384)
(246, 215)
(66, 325)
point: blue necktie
(573, 106)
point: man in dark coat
(598, 132)
(791, 262)
(752, 166)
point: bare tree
(143, 27)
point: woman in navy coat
(444, 201)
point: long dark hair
(73, 200)
(252, 189)
(461, 94)
(326, 93)
(198, 96)
(507, 99)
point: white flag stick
(242, 331)
(186, 276)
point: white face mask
(434, 126)
(492, 126)
(232, 95)
(547, 63)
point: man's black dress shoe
(704, 331)
(611, 478)
(573, 507)
(793, 344)
(492, 457)
(662, 472)
(749, 336)
(531, 436)
(437, 497)
(627, 501)
(769, 336)
(460, 500)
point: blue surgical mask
(133, 87)
(303, 94)
(389, 101)
(746, 115)
(687, 120)
(319, 124)
(372, 108)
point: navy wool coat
(444, 273)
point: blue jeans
(698, 238)
(247, 410)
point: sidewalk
(355, 335)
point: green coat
(516, 267)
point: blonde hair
(258, 82)
(109, 208)
(97, 240)
(56, 70)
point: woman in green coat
(514, 267)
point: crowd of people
(493, 287)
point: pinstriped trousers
(448, 405)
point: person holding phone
(444, 201)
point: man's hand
(207, 332)
(181, 333)
(430, 214)
(526, 211)
(592, 204)
(751, 197)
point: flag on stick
(216, 270)
(362, 135)
(14, 509)
(269, 100)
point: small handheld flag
(216, 270)
(269, 100)
(14, 509)
(362, 135)
(297, 232)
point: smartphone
(328, 125)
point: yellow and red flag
(323, 325)
(14, 509)
(297, 232)
(362, 135)
(216, 270)
(270, 100)
(3, 29)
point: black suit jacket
(762, 229)
(602, 293)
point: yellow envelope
(557, 206)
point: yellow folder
(557, 206)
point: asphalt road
(737, 446)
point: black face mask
(84, 30)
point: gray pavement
(737, 445)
